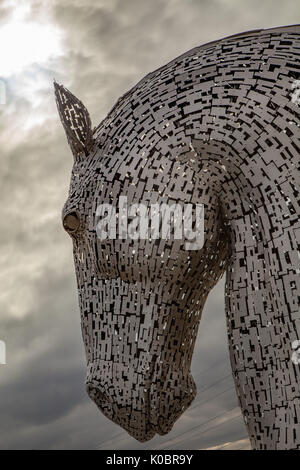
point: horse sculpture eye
(71, 222)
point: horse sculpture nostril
(99, 397)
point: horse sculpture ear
(75, 119)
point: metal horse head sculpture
(217, 126)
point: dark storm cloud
(107, 46)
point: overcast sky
(99, 49)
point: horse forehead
(142, 113)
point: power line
(205, 390)
(210, 399)
(120, 434)
(212, 427)
(208, 369)
(215, 383)
(202, 424)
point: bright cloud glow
(23, 43)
